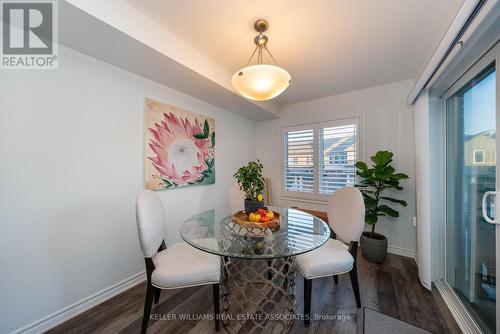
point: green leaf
(205, 128)
(210, 163)
(208, 179)
(169, 184)
(200, 136)
(382, 158)
(389, 211)
(384, 171)
(394, 200)
(213, 139)
(370, 202)
(401, 176)
(371, 218)
(363, 174)
(361, 165)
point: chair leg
(215, 288)
(147, 307)
(157, 295)
(355, 286)
(336, 279)
(307, 301)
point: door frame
(464, 317)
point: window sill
(304, 200)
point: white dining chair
(173, 266)
(346, 215)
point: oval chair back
(150, 222)
(346, 214)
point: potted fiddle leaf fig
(374, 182)
(251, 181)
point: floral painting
(179, 147)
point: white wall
(387, 124)
(71, 152)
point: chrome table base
(258, 295)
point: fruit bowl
(241, 218)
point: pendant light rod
(271, 55)
(260, 41)
(253, 53)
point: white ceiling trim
(127, 19)
(119, 14)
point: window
(337, 158)
(478, 156)
(299, 144)
(319, 158)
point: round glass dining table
(258, 274)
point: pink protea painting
(179, 147)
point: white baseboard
(58, 317)
(425, 284)
(401, 251)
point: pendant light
(261, 82)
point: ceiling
(328, 46)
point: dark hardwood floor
(391, 288)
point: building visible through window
(480, 148)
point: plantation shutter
(338, 151)
(319, 158)
(299, 157)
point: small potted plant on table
(381, 177)
(251, 181)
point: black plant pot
(252, 205)
(373, 247)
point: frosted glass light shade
(261, 82)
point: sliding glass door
(471, 171)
